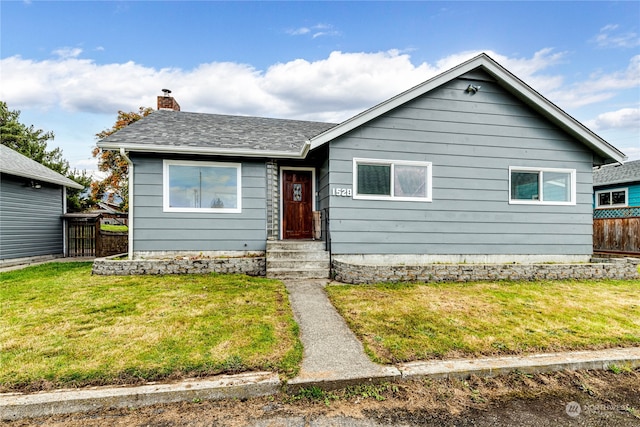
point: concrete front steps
(297, 259)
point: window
(392, 179)
(542, 186)
(615, 198)
(201, 187)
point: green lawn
(60, 326)
(406, 322)
(114, 228)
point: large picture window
(391, 179)
(202, 187)
(616, 198)
(542, 186)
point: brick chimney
(166, 102)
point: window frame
(166, 163)
(392, 164)
(541, 171)
(612, 190)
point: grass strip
(61, 327)
(408, 322)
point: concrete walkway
(29, 263)
(332, 353)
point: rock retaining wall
(251, 266)
(625, 268)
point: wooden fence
(618, 235)
(85, 239)
(81, 237)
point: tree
(29, 141)
(116, 183)
(80, 200)
(32, 143)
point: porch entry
(297, 203)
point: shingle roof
(14, 163)
(617, 174)
(177, 131)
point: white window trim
(611, 190)
(572, 173)
(360, 160)
(165, 186)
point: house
(32, 202)
(617, 190)
(471, 166)
(616, 214)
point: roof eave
(162, 149)
(632, 181)
(62, 183)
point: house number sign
(342, 192)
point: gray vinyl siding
(323, 197)
(30, 219)
(155, 230)
(471, 141)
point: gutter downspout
(64, 222)
(130, 225)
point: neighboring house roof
(109, 208)
(195, 133)
(14, 163)
(198, 133)
(503, 77)
(617, 174)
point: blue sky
(70, 66)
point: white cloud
(625, 118)
(633, 153)
(330, 89)
(318, 30)
(598, 87)
(67, 52)
(609, 36)
(299, 31)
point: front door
(297, 204)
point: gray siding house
(471, 166)
(32, 202)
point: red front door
(297, 201)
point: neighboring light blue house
(471, 166)
(32, 202)
(617, 190)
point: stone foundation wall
(626, 269)
(251, 266)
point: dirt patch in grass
(516, 399)
(406, 322)
(63, 327)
